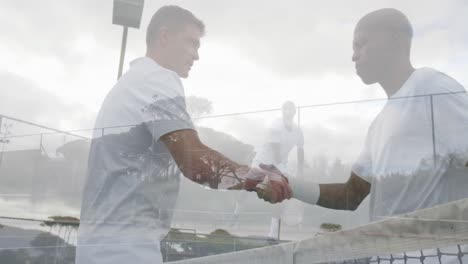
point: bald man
(415, 151)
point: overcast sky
(64, 54)
(60, 58)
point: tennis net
(433, 235)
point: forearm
(340, 196)
(344, 196)
(209, 167)
(200, 163)
(204, 165)
(337, 196)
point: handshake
(267, 181)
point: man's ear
(393, 41)
(163, 35)
(399, 41)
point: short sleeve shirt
(415, 147)
(132, 181)
(286, 139)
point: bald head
(388, 21)
(382, 45)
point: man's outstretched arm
(202, 164)
(344, 196)
(340, 196)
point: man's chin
(183, 74)
(367, 81)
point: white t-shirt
(286, 139)
(132, 181)
(398, 155)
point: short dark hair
(174, 18)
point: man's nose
(354, 57)
(196, 56)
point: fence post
(299, 117)
(433, 130)
(40, 142)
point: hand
(269, 183)
(271, 168)
(274, 191)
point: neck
(395, 79)
(287, 125)
(158, 58)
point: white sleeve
(451, 124)
(363, 165)
(163, 108)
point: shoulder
(297, 128)
(147, 80)
(151, 73)
(431, 81)
(276, 125)
(145, 84)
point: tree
(76, 150)
(330, 227)
(52, 249)
(14, 256)
(179, 245)
(198, 106)
(4, 140)
(68, 224)
(231, 147)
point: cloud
(289, 38)
(270, 50)
(28, 102)
(312, 38)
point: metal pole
(40, 142)
(299, 117)
(279, 229)
(1, 140)
(122, 51)
(433, 131)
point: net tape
(417, 236)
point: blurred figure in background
(283, 135)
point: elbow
(353, 204)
